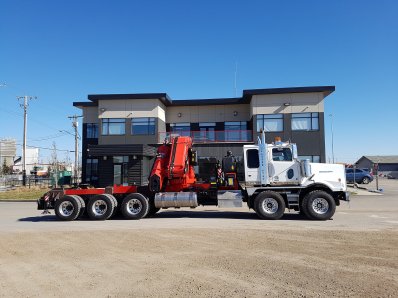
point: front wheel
(269, 205)
(134, 206)
(320, 205)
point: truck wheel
(135, 206)
(269, 205)
(114, 204)
(100, 207)
(68, 208)
(83, 204)
(320, 205)
(304, 207)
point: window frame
(151, 122)
(248, 161)
(312, 116)
(105, 123)
(263, 117)
(92, 130)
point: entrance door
(120, 170)
(117, 174)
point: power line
(47, 148)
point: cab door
(252, 164)
(283, 169)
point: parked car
(361, 176)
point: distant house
(388, 164)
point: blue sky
(61, 51)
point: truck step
(292, 200)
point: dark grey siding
(134, 171)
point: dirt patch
(199, 262)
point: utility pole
(24, 105)
(75, 125)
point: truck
(275, 179)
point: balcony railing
(220, 136)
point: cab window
(282, 154)
(252, 159)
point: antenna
(235, 78)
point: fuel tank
(176, 199)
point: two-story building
(121, 131)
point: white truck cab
(275, 178)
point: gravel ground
(205, 252)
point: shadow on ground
(208, 214)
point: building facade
(121, 131)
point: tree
(6, 170)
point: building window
(312, 158)
(180, 129)
(270, 123)
(305, 121)
(236, 131)
(91, 170)
(113, 126)
(143, 126)
(92, 131)
(206, 132)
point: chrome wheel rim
(134, 206)
(270, 205)
(320, 205)
(99, 207)
(66, 208)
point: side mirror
(294, 151)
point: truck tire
(68, 208)
(100, 207)
(320, 205)
(115, 209)
(134, 206)
(304, 207)
(269, 205)
(83, 206)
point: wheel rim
(270, 205)
(365, 180)
(66, 208)
(320, 206)
(134, 206)
(99, 207)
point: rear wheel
(269, 205)
(100, 207)
(68, 208)
(134, 206)
(320, 205)
(83, 207)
